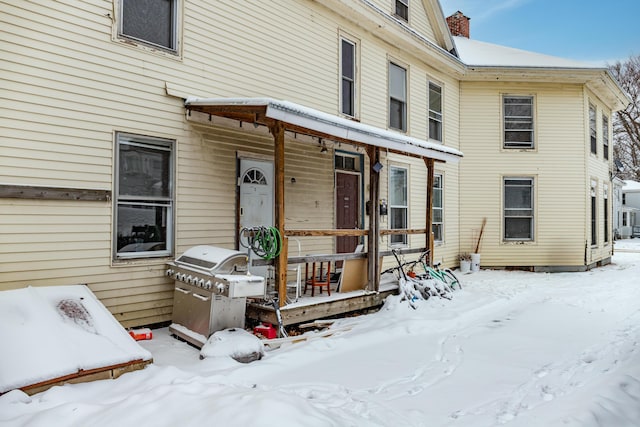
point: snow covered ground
(511, 348)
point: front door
(256, 199)
(347, 209)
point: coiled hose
(266, 242)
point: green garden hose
(266, 242)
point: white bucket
(465, 266)
(475, 262)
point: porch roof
(305, 120)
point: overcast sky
(587, 30)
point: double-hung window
(398, 203)
(593, 132)
(150, 22)
(594, 213)
(605, 137)
(437, 221)
(518, 209)
(435, 112)
(144, 201)
(518, 121)
(397, 97)
(402, 9)
(605, 214)
(348, 73)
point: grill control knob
(220, 287)
(169, 272)
(207, 284)
(201, 283)
(188, 279)
(180, 276)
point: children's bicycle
(430, 282)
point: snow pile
(50, 332)
(510, 348)
(236, 343)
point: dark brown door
(347, 209)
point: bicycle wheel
(451, 279)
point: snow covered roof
(630, 185)
(321, 123)
(474, 52)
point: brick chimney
(458, 24)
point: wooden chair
(317, 280)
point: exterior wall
(598, 170)
(70, 85)
(557, 165)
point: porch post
(429, 214)
(280, 263)
(373, 249)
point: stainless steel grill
(211, 288)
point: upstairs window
(605, 137)
(593, 132)
(402, 9)
(397, 97)
(518, 209)
(143, 199)
(348, 76)
(398, 203)
(518, 121)
(437, 222)
(151, 22)
(435, 112)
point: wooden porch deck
(320, 306)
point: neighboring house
(630, 211)
(127, 140)
(617, 184)
(536, 133)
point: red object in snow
(141, 334)
(266, 330)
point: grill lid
(213, 260)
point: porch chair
(297, 268)
(317, 280)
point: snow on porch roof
(320, 123)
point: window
(594, 228)
(606, 212)
(518, 121)
(348, 72)
(437, 220)
(402, 9)
(593, 133)
(435, 112)
(518, 208)
(398, 203)
(143, 196)
(605, 137)
(152, 22)
(397, 97)
(624, 219)
(347, 162)
(624, 198)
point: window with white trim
(348, 77)
(518, 208)
(593, 131)
(605, 214)
(594, 213)
(435, 112)
(605, 137)
(402, 9)
(143, 201)
(398, 203)
(518, 121)
(397, 97)
(437, 221)
(150, 22)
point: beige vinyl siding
(556, 165)
(68, 86)
(598, 169)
